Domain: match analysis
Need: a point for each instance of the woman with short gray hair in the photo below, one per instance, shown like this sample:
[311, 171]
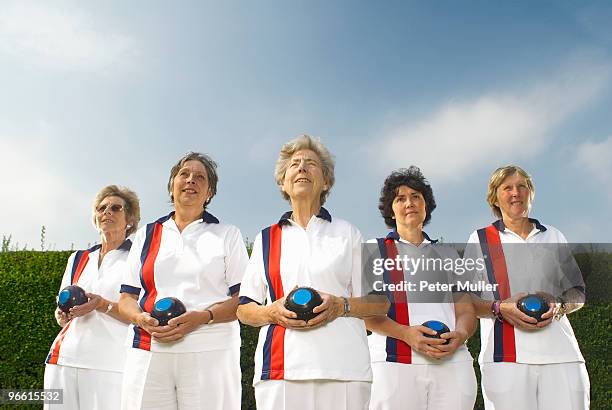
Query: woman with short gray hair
[319, 362]
[193, 361]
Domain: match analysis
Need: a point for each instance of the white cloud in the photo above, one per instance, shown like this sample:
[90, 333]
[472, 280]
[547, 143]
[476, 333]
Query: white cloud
[51, 38]
[34, 194]
[495, 128]
[596, 159]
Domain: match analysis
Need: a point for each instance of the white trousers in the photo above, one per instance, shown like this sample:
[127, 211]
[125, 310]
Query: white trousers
[312, 395]
[442, 386]
[201, 380]
[558, 386]
[85, 389]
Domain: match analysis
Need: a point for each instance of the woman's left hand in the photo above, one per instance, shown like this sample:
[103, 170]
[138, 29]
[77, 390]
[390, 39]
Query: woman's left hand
[94, 302]
[553, 308]
[456, 339]
[331, 309]
[180, 326]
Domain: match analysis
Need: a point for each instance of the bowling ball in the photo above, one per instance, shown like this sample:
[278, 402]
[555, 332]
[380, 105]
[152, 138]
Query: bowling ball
[166, 309]
[439, 327]
[71, 296]
[533, 305]
[302, 301]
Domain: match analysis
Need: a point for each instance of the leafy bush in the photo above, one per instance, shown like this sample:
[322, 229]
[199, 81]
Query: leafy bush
[29, 282]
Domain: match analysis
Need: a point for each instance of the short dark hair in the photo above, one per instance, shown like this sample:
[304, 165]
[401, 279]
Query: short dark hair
[209, 165]
[411, 177]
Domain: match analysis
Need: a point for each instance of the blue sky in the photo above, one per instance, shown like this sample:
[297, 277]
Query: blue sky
[94, 93]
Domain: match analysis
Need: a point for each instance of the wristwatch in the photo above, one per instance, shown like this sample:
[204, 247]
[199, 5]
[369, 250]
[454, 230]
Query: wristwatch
[212, 318]
[347, 307]
[562, 308]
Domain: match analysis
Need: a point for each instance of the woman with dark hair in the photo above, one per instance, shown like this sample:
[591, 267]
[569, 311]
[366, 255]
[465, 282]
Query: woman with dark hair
[412, 369]
[194, 360]
[527, 363]
[87, 357]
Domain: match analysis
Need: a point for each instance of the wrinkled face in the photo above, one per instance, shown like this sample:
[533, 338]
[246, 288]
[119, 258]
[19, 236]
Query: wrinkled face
[190, 186]
[409, 208]
[304, 176]
[513, 197]
[111, 215]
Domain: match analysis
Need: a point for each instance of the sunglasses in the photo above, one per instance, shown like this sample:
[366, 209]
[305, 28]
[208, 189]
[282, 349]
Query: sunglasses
[112, 207]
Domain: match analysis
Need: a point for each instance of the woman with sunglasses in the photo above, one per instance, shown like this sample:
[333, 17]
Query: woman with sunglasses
[87, 357]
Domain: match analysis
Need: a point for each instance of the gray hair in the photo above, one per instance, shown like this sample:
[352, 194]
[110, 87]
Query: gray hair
[209, 165]
[301, 143]
[132, 205]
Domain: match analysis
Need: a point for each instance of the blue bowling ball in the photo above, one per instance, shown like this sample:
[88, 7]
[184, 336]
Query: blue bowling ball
[439, 327]
[166, 309]
[302, 301]
[71, 296]
[533, 305]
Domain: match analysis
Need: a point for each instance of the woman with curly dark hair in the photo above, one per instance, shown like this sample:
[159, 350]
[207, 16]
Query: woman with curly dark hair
[412, 368]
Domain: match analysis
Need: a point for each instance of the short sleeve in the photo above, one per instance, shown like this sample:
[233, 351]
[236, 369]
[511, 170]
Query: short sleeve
[254, 287]
[236, 260]
[355, 289]
[131, 277]
[67, 272]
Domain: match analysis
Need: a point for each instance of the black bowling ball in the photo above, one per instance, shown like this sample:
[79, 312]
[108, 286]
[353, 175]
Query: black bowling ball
[166, 309]
[71, 296]
[302, 301]
[439, 327]
[533, 305]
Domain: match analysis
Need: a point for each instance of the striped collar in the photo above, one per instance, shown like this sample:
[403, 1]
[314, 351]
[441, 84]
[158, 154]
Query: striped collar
[206, 217]
[396, 237]
[323, 214]
[499, 224]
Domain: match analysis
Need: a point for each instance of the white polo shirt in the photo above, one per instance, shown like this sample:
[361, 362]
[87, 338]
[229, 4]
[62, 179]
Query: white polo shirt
[96, 340]
[556, 342]
[201, 266]
[327, 257]
[383, 348]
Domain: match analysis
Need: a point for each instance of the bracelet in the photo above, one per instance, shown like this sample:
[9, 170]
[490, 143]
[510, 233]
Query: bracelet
[496, 310]
[109, 307]
[212, 318]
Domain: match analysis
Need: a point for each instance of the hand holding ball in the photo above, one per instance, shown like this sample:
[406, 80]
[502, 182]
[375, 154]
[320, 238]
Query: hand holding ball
[70, 297]
[439, 327]
[302, 301]
[533, 305]
[166, 309]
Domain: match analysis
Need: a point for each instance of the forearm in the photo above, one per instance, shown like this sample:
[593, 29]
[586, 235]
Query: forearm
[481, 307]
[103, 307]
[368, 306]
[224, 311]
[385, 326]
[575, 300]
[465, 315]
[128, 308]
[253, 314]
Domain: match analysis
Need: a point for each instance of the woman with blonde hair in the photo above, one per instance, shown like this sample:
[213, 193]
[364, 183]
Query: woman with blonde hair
[87, 357]
[527, 363]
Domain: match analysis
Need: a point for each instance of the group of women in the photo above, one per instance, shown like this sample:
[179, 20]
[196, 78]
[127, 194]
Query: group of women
[110, 352]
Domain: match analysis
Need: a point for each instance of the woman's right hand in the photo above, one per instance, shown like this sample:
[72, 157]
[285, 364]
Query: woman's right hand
[144, 321]
[280, 315]
[415, 337]
[61, 317]
[511, 314]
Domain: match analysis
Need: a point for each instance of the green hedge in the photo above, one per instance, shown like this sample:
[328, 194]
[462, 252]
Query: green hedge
[29, 282]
